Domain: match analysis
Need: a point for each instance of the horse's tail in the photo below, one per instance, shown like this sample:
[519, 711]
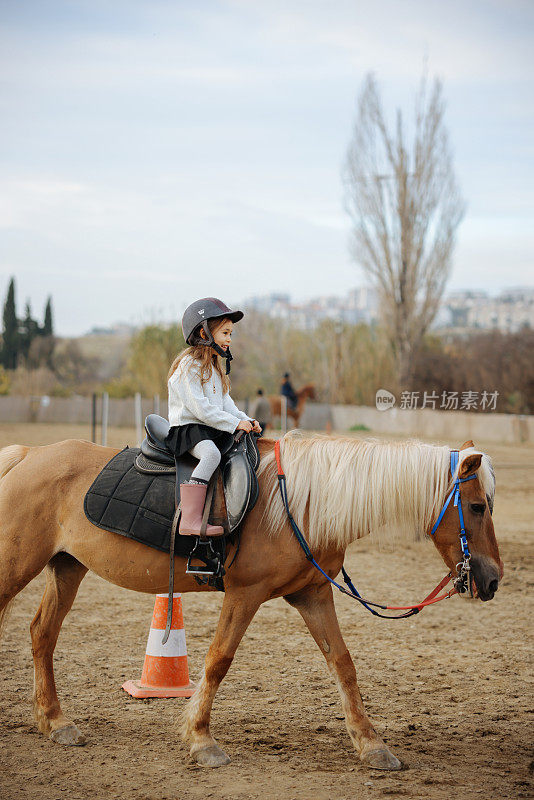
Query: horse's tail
[10, 457]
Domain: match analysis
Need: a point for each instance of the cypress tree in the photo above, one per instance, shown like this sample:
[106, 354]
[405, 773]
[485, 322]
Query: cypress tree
[11, 342]
[47, 327]
[29, 330]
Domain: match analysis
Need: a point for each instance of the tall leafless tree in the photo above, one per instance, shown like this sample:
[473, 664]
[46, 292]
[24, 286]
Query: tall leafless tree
[405, 207]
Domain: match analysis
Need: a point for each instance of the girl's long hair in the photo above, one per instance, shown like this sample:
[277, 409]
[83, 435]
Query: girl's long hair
[205, 357]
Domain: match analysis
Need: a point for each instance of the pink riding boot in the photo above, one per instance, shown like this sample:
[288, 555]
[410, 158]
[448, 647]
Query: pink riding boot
[192, 498]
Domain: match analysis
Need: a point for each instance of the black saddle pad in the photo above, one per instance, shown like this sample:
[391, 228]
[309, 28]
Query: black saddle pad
[136, 505]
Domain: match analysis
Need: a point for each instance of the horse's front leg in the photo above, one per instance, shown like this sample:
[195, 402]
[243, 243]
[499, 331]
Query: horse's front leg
[316, 605]
[238, 609]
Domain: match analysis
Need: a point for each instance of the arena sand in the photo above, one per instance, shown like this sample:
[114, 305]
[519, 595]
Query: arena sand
[450, 690]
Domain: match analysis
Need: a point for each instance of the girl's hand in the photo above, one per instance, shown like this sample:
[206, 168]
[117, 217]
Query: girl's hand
[256, 427]
[244, 425]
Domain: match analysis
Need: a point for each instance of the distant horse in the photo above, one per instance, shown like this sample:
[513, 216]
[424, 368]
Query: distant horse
[340, 489]
[306, 393]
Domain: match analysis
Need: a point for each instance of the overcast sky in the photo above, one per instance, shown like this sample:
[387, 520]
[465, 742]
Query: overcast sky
[157, 151]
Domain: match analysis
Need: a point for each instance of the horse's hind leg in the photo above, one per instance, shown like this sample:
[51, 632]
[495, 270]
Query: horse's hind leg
[22, 557]
[316, 606]
[63, 577]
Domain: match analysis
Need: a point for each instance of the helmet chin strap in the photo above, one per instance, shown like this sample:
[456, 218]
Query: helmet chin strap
[210, 342]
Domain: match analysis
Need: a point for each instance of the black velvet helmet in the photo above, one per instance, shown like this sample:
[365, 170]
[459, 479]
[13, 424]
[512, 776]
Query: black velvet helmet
[196, 317]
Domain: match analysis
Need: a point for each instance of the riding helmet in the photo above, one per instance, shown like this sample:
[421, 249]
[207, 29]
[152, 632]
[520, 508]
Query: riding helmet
[196, 316]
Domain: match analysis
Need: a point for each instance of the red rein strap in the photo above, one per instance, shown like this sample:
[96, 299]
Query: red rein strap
[277, 456]
[429, 599]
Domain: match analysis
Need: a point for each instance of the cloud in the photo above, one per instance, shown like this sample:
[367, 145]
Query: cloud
[242, 44]
[202, 142]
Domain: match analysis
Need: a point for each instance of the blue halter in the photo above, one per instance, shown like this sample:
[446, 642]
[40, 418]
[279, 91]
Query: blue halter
[463, 581]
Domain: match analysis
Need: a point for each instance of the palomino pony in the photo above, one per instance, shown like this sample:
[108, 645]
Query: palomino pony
[339, 489]
[306, 393]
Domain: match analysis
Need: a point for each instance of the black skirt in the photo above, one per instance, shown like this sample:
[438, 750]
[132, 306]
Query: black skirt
[182, 438]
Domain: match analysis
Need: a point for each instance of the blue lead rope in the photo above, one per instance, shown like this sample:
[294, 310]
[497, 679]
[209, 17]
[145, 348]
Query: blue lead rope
[352, 591]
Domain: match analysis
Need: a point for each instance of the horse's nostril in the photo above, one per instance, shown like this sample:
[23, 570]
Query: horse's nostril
[493, 586]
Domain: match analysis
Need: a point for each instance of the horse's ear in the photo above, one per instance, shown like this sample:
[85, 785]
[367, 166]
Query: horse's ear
[467, 444]
[469, 465]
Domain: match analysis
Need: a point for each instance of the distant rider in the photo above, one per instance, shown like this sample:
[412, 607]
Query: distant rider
[287, 390]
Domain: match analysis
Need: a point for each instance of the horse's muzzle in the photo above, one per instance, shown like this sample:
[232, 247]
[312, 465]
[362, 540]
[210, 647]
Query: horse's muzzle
[486, 576]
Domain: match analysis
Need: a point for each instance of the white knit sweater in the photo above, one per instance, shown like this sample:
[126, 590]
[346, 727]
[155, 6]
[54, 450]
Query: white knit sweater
[191, 401]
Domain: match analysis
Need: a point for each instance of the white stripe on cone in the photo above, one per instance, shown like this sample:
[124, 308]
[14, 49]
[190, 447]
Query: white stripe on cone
[174, 646]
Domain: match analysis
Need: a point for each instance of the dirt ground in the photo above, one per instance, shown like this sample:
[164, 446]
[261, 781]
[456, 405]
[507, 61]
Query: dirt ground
[450, 690]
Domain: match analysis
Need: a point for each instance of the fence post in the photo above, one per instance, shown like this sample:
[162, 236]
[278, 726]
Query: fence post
[93, 419]
[283, 416]
[138, 411]
[155, 404]
[105, 415]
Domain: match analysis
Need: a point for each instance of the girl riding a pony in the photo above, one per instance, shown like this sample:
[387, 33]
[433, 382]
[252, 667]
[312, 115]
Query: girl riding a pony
[202, 415]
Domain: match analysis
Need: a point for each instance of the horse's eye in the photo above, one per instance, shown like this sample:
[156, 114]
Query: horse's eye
[477, 508]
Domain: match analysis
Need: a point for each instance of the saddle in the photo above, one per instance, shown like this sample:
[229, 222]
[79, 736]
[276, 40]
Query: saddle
[240, 459]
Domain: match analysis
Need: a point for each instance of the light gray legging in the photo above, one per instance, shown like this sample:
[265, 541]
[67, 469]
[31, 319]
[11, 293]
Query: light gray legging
[209, 457]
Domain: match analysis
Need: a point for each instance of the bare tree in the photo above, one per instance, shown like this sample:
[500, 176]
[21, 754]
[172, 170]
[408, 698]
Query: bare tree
[405, 207]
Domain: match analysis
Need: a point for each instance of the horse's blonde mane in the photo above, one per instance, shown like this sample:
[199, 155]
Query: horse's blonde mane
[341, 489]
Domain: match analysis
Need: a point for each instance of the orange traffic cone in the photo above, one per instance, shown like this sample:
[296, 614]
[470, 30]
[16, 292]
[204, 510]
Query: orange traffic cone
[165, 671]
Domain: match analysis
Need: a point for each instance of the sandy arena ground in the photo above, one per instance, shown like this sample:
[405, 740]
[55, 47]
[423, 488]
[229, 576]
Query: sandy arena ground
[450, 690]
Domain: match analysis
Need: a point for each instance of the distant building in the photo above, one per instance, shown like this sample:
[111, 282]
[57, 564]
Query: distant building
[460, 312]
[118, 329]
[360, 305]
[508, 312]
[267, 303]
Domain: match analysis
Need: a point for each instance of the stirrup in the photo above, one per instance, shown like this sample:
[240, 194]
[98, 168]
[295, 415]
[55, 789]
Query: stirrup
[212, 566]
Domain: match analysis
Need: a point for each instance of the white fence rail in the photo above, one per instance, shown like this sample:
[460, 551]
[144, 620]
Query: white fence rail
[451, 426]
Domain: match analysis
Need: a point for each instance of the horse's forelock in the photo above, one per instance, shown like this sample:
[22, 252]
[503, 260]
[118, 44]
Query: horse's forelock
[486, 473]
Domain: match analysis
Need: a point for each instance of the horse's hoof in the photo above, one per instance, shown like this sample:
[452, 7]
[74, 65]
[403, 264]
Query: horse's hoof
[211, 756]
[381, 759]
[69, 734]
